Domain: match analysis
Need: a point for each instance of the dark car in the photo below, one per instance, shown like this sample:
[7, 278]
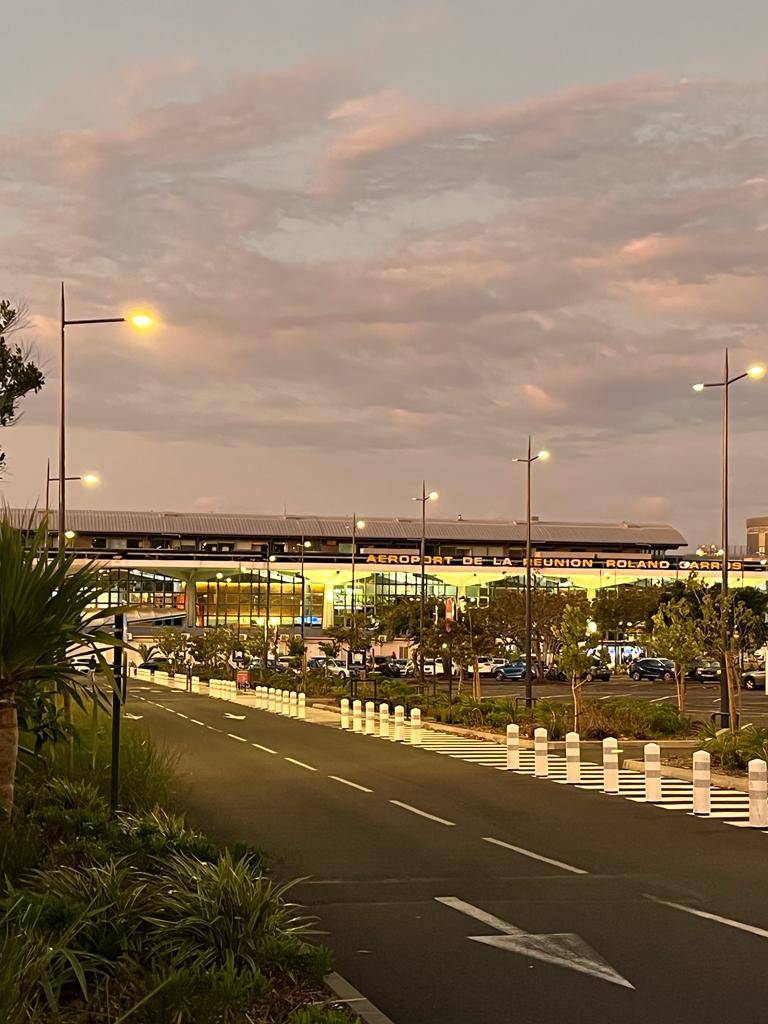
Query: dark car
[652, 668]
[514, 670]
[754, 679]
[386, 666]
[595, 671]
[703, 670]
[155, 665]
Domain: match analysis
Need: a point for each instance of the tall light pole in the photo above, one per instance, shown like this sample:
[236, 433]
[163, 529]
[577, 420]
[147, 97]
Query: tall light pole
[305, 545]
[424, 498]
[754, 372]
[87, 480]
[357, 524]
[529, 461]
[140, 320]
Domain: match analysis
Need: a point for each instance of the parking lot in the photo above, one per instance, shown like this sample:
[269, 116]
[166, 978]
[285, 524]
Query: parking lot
[702, 699]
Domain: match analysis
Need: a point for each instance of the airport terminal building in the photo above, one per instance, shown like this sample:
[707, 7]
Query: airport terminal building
[199, 570]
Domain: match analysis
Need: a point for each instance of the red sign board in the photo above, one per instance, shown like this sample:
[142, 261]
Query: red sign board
[242, 677]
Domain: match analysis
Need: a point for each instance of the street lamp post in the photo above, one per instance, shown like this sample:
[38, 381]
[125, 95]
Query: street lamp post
[424, 498]
[140, 320]
[357, 524]
[529, 459]
[755, 372]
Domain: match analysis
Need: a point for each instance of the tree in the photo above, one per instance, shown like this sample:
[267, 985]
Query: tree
[172, 643]
[45, 613]
[729, 627]
[677, 634]
[573, 634]
[507, 611]
[625, 609]
[213, 647]
[18, 373]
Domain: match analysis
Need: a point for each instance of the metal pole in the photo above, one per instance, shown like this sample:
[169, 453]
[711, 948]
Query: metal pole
[423, 580]
[266, 620]
[62, 439]
[528, 612]
[354, 545]
[118, 699]
[725, 711]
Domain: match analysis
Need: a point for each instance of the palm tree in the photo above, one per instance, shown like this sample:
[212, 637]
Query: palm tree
[44, 614]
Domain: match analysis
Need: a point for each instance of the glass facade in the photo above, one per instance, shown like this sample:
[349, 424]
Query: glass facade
[249, 599]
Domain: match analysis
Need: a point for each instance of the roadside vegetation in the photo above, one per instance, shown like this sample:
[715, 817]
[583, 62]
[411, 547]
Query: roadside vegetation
[138, 918]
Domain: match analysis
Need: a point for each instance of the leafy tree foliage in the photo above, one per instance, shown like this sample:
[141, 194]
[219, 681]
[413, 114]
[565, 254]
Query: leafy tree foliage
[573, 635]
[678, 634]
[18, 373]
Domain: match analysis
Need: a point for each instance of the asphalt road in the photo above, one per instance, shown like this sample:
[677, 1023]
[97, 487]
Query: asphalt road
[435, 923]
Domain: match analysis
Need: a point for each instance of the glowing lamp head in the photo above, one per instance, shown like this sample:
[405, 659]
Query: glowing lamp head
[70, 534]
[698, 387]
[433, 496]
[273, 558]
[141, 320]
[219, 575]
[307, 543]
[90, 480]
[543, 455]
[756, 372]
[592, 626]
[360, 524]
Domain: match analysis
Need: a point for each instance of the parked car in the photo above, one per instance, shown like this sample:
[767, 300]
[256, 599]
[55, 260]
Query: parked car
[703, 670]
[595, 671]
[488, 666]
[386, 666]
[432, 667]
[333, 666]
[155, 665]
[514, 670]
[754, 679]
[652, 668]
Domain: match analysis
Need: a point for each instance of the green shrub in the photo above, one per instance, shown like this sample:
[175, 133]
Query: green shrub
[732, 751]
[320, 1014]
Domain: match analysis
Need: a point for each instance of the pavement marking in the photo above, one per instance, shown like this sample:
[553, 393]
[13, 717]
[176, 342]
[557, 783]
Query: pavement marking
[751, 928]
[564, 949]
[424, 814]
[535, 856]
[182, 715]
[233, 737]
[196, 721]
[348, 994]
[267, 750]
[301, 764]
[213, 728]
[354, 785]
[658, 700]
[238, 718]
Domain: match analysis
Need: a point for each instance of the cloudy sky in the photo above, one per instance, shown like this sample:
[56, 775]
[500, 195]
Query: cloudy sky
[386, 241]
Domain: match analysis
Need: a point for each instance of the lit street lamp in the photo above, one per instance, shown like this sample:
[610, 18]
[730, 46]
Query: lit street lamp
[86, 479]
[529, 460]
[138, 320]
[357, 524]
[305, 546]
[755, 373]
[425, 497]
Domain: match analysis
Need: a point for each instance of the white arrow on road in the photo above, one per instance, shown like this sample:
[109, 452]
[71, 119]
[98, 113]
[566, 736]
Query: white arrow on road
[564, 949]
[238, 718]
[134, 717]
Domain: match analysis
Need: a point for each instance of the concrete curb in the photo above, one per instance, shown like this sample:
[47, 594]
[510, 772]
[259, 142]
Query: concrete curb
[686, 775]
[355, 1001]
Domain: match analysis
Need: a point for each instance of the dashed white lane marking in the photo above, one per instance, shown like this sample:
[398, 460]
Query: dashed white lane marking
[233, 737]
[182, 715]
[213, 728]
[423, 814]
[196, 722]
[301, 764]
[267, 750]
[536, 856]
[347, 782]
[751, 928]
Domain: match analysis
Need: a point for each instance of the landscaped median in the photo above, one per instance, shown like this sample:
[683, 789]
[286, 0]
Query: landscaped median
[136, 918]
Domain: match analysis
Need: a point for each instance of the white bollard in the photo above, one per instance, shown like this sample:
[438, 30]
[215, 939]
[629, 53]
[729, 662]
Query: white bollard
[302, 706]
[286, 703]
[652, 756]
[293, 706]
[344, 713]
[370, 716]
[383, 719]
[415, 726]
[540, 754]
[259, 697]
[271, 698]
[702, 783]
[572, 758]
[610, 765]
[758, 793]
[357, 716]
[399, 735]
[513, 748]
